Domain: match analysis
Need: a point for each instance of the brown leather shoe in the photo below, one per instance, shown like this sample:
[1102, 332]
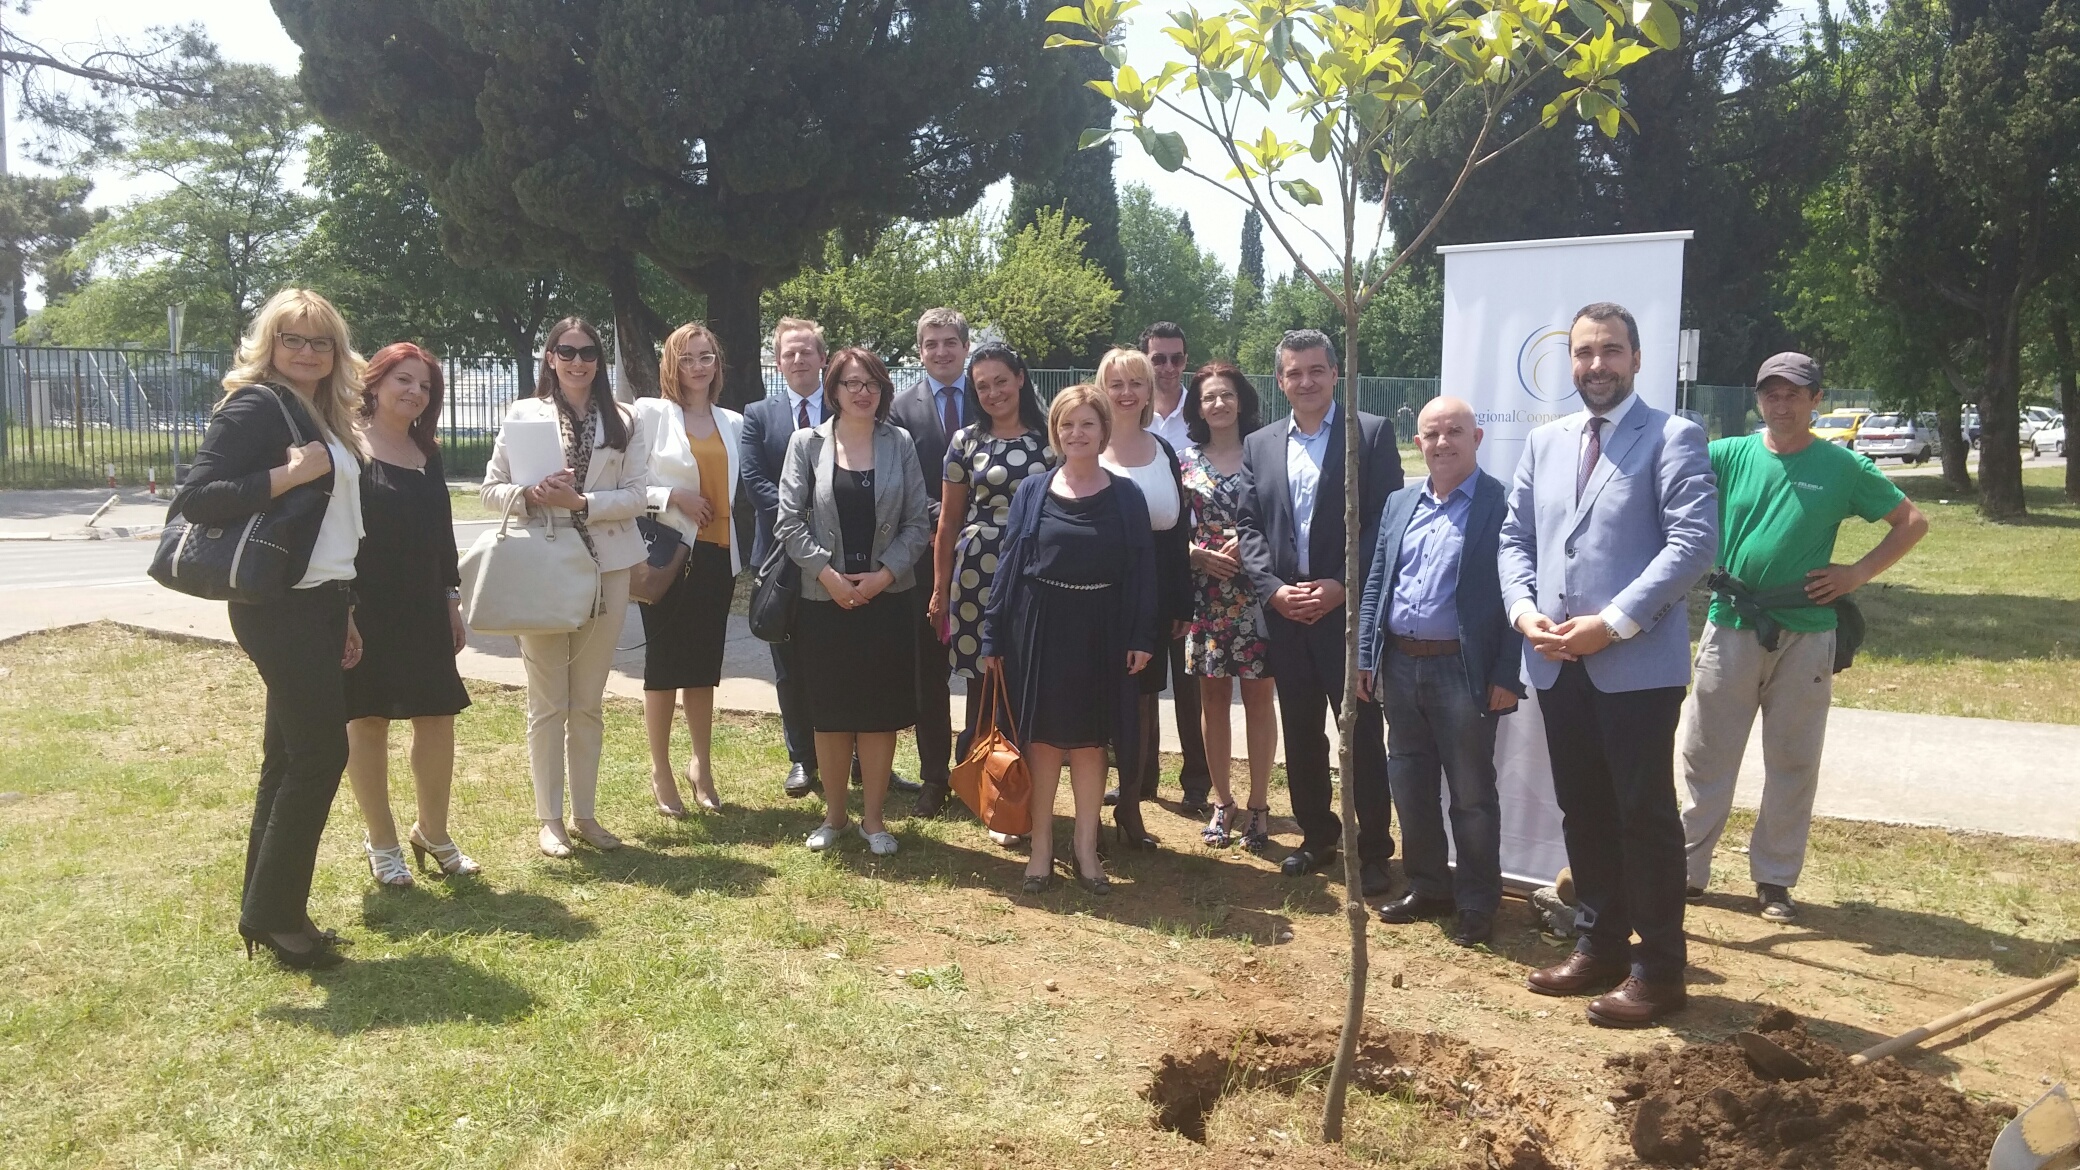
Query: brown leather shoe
[1637, 1003]
[1578, 974]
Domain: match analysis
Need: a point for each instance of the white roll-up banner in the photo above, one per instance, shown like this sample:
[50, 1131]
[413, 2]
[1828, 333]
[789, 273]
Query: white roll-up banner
[1507, 308]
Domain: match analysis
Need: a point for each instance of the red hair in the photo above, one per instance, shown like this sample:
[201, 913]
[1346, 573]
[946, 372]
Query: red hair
[425, 430]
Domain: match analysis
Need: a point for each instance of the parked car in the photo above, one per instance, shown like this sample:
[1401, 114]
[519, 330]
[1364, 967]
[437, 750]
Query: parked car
[2050, 438]
[1840, 426]
[1908, 437]
[2034, 419]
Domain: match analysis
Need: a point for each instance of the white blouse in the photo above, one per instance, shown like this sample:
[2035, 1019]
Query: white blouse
[1157, 486]
[339, 534]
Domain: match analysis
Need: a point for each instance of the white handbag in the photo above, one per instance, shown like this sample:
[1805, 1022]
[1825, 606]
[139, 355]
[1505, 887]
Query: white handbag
[519, 579]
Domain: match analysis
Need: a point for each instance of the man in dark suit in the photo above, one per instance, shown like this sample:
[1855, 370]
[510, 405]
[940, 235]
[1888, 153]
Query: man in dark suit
[1292, 535]
[933, 409]
[1436, 650]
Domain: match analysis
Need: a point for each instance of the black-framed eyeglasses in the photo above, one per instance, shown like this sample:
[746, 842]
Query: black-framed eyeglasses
[297, 341]
[858, 385]
[576, 353]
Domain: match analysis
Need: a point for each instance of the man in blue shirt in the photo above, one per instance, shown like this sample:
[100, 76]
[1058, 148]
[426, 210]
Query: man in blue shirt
[1436, 649]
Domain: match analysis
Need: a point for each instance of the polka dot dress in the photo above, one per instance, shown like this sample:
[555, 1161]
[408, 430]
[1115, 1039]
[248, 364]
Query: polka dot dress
[991, 469]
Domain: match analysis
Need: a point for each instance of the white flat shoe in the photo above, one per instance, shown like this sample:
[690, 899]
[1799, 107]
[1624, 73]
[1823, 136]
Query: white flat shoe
[882, 844]
[823, 838]
[553, 842]
[1005, 840]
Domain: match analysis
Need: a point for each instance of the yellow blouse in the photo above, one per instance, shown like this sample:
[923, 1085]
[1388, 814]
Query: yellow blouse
[713, 458]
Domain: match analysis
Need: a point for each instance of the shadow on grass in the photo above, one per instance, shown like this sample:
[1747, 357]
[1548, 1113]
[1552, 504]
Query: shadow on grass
[1886, 931]
[707, 870]
[469, 907]
[2046, 502]
[1913, 624]
[407, 991]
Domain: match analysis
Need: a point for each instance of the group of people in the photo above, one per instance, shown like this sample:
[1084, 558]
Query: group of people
[1140, 532]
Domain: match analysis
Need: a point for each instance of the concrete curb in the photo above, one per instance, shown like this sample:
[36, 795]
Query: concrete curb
[118, 532]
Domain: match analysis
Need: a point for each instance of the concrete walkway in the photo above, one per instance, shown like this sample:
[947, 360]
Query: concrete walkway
[1976, 774]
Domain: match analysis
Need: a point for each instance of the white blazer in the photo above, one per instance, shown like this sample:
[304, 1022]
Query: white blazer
[615, 485]
[672, 464]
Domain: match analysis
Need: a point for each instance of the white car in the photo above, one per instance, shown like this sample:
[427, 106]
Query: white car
[2050, 439]
[1908, 437]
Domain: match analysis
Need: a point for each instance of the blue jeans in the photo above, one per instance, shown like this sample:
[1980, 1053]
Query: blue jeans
[1435, 727]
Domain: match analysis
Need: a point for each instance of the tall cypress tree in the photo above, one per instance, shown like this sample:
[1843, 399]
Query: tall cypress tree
[1251, 267]
[720, 142]
[1083, 186]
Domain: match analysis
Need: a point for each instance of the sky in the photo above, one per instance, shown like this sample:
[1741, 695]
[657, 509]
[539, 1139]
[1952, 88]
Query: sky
[246, 30]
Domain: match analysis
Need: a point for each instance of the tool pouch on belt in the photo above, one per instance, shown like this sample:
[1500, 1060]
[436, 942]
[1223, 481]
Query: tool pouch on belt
[1754, 607]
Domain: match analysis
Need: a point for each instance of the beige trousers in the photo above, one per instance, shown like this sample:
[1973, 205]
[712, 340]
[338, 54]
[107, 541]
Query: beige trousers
[1792, 687]
[566, 681]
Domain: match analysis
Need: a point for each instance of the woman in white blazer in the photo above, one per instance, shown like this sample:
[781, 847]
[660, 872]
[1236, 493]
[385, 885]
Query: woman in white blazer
[693, 486]
[606, 452]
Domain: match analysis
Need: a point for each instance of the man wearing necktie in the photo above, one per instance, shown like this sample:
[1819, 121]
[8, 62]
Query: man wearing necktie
[934, 409]
[1613, 516]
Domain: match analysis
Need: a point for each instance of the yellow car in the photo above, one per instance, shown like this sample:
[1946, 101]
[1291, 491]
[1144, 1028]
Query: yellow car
[1840, 427]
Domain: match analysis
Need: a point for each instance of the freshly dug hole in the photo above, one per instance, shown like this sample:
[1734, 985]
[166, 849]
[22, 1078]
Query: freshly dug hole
[1470, 1091]
[1704, 1106]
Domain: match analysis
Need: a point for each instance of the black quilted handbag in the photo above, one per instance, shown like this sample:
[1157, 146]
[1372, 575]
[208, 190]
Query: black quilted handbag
[253, 560]
[774, 592]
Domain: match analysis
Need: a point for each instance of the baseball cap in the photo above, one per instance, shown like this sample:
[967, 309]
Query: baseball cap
[1795, 368]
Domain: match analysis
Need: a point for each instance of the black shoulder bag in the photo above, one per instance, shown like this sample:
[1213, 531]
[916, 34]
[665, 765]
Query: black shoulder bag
[1754, 608]
[254, 560]
[776, 588]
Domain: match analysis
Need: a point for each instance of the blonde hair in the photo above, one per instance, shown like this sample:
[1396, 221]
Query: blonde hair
[1135, 363]
[1081, 394]
[675, 347]
[789, 325]
[338, 399]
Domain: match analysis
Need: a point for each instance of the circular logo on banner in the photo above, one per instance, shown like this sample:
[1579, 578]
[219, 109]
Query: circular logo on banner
[1545, 369]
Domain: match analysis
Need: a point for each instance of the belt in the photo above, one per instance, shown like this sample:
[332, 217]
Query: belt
[1080, 588]
[1418, 648]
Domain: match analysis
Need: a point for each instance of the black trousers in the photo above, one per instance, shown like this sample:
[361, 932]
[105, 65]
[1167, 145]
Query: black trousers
[1614, 774]
[1194, 775]
[1307, 664]
[794, 707]
[296, 644]
[934, 721]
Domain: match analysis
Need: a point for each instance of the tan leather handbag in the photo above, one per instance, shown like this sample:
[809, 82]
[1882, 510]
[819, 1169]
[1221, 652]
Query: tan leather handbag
[993, 780]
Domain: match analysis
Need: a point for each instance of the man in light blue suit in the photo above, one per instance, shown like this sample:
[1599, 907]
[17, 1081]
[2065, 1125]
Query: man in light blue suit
[1613, 516]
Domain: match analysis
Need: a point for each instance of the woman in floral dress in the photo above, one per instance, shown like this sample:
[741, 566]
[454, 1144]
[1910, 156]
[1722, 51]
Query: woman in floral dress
[1226, 639]
[985, 463]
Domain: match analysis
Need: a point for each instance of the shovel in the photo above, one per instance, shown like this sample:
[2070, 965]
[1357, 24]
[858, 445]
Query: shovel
[1773, 1060]
[2045, 1136]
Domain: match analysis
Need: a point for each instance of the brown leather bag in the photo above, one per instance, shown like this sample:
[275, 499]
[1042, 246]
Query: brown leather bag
[665, 553]
[993, 780]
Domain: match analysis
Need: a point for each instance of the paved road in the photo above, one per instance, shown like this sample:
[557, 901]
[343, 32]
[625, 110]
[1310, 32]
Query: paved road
[91, 564]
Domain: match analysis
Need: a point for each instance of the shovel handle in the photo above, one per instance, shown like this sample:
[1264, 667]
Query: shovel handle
[1906, 1040]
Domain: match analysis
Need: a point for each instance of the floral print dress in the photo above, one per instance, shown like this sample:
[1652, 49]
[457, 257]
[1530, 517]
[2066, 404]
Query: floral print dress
[1226, 639]
[991, 469]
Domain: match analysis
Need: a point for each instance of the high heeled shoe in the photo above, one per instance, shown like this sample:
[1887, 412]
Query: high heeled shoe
[1128, 827]
[387, 865]
[447, 855]
[320, 957]
[1215, 834]
[1256, 836]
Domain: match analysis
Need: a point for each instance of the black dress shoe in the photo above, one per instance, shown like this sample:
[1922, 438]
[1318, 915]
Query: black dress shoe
[931, 801]
[1374, 879]
[1197, 803]
[1111, 797]
[1414, 907]
[897, 782]
[800, 782]
[1473, 929]
[1306, 861]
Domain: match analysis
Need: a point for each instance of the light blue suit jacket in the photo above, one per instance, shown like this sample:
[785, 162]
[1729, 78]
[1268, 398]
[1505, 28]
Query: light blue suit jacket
[1645, 531]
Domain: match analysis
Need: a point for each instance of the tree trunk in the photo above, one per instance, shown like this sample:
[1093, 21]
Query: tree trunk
[733, 314]
[1346, 729]
[637, 329]
[2000, 424]
[520, 344]
[1950, 400]
[2068, 393]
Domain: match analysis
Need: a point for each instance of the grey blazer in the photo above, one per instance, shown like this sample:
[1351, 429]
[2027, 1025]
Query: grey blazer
[808, 518]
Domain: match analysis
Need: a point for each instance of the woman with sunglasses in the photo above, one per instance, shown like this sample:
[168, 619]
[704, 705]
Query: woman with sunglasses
[853, 517]
[599, 492]
[693, 480]
[295, 361]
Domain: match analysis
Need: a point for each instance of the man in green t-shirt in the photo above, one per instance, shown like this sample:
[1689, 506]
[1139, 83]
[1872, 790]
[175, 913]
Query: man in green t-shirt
[1783, 496]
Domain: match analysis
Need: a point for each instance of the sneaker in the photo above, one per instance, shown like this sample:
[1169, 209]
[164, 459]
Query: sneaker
[882, 844]
[1005, 840]
[1777, 905]
[823, 838]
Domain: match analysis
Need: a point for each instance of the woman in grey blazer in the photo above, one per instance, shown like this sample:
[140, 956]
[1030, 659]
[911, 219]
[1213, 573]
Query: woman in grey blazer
[853, 516]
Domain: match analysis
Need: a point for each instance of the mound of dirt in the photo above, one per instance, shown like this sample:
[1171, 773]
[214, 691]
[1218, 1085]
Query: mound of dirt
[1704, 1106]
[1462, 1085]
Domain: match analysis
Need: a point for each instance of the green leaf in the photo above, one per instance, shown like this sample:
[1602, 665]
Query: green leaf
[1058, 41]
[1068, 14]
[1168, 150]
[1301, 191]
[1607, 122]
[1115, 55]
[1658, 20]
[1591, 16]
[1095, 136]
[1221, 83]
[1318, 147]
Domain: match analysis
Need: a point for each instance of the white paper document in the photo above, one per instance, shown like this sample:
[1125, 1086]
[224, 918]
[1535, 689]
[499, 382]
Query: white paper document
[534, 449]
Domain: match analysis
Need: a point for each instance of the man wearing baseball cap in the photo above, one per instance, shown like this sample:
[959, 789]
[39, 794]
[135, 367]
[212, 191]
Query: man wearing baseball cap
[1769, 641]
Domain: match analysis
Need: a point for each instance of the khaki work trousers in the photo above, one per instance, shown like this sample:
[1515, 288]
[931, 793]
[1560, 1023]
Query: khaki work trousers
[566, 683]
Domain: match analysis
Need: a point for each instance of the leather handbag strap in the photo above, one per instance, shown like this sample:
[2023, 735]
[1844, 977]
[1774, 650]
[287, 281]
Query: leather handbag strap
[295, 432]
[994, 692]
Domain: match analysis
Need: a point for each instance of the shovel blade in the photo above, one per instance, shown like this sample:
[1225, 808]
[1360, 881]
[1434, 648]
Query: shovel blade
[2045, 1136]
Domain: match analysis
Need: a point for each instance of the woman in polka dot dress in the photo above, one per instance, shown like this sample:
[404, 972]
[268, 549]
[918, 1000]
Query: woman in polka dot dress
[985, 463]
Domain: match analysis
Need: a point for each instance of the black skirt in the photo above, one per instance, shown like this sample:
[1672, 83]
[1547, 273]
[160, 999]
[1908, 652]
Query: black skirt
[402, 574]
[684, 632]
[858, 666]
[1070, 676]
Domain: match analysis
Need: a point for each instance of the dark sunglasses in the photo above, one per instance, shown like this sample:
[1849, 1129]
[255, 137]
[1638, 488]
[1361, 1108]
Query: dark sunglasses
[1166, 359]
[576, 353]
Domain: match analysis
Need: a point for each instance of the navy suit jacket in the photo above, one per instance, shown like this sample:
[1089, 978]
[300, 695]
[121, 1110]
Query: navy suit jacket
[1270, 550]
[916, 410]
[763, 452]
[1489, 647]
